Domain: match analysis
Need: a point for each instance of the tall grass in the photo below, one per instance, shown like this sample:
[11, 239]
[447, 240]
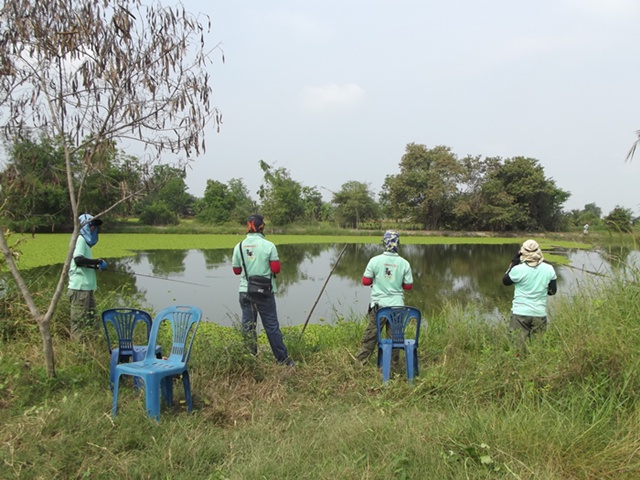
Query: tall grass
[569, 409]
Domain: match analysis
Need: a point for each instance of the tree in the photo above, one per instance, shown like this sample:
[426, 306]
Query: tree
[281, 196]
[167, 198]
[33, 186]
[572, 217]
[126, 175]
[355, 204]
[34, 191]
[425, 187]
[216, 204]
[157, 213]
[520, 197]
[223, 203]
[89, 73]
[313, 204]
[243, 204]
[591, 214]
[619, 220]
[471, 204]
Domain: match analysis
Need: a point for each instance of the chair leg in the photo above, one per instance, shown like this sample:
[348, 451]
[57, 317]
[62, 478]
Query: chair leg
[116, 384]
[415, 362]
[187, 390]
[386, 362]
[115, 354]
[409, 355]
[152, 397]
[166, 386]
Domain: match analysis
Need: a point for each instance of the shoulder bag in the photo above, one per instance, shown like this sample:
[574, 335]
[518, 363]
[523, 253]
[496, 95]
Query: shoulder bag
[257, 285]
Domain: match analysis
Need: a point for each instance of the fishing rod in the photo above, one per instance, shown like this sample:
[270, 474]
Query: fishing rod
[157, 277]
[322, 290]
[578, 269]
[586, 271]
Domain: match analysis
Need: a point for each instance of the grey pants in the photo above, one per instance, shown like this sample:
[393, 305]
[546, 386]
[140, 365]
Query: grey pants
[524, 327]
[83, 312]
[370, 338]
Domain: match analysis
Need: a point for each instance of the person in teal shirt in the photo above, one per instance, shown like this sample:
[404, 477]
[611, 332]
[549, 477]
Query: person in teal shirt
[82, 278]
[389, 276]
[257, 256]
[534, 281]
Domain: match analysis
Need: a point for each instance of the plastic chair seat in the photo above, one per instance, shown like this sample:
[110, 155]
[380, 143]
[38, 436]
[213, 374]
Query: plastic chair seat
[138, 354]
[124, 321]
[158, 373]
[398, 318]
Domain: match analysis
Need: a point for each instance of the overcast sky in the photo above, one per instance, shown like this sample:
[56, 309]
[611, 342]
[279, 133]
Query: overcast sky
[333, 91]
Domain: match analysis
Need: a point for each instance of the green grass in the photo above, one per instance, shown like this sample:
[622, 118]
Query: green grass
[568, 410]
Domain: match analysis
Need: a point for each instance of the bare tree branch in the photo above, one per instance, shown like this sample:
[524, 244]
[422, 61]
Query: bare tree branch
[91, 73]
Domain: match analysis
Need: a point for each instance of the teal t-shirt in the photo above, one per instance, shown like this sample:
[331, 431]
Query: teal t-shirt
[388, 271]
[81, 278]
[258, 253]
[530, 296]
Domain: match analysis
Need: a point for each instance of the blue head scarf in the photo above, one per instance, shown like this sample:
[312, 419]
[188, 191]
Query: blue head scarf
[91, 237]
[391, 240]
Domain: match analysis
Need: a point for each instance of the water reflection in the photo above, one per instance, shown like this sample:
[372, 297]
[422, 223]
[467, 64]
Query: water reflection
[457, 274]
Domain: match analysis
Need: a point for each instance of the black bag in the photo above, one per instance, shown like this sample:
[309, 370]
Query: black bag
[259, 285]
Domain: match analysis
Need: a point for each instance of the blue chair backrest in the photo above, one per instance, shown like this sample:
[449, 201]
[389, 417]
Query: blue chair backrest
[124, 322]
[399, 318]
[182, 319]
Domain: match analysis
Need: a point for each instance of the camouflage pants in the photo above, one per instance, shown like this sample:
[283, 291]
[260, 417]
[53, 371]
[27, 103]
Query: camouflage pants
[370, 337]
[83, 313]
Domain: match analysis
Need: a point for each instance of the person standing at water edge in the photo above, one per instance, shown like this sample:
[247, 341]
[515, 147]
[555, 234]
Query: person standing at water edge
[534, 280]
[389, 275]
[585, 229]
[82, 278]
[257, 256]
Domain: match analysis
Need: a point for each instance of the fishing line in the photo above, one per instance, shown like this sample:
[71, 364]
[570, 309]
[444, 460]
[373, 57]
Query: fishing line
[157, 277]
[322, 289]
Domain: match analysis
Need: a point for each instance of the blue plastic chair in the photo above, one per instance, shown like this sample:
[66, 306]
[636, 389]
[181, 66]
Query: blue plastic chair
[398, 318]
[124, 321]
[158, 373]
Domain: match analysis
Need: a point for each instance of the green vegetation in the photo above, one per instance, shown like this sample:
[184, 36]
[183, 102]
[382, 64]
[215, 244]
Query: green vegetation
[619, 220]
[50, 249]
[435, 190]
[133, 73]
[569, 409]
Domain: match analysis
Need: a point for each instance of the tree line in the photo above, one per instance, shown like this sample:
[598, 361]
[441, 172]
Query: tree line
[434, 190]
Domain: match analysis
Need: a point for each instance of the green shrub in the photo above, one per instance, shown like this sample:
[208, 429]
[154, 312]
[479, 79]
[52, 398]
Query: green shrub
[158, 213]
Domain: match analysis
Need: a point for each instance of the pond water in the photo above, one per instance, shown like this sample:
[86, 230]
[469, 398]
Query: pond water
[459, 274]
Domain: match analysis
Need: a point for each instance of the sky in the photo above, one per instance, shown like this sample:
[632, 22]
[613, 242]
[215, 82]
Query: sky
[333, 91]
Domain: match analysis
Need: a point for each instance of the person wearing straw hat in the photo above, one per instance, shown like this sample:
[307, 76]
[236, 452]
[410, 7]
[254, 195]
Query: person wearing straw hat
[534, 281]
[82, 278]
